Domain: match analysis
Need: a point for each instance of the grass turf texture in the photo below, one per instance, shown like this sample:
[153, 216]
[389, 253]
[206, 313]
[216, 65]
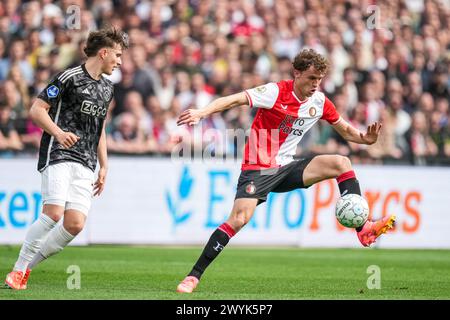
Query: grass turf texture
[122, 272]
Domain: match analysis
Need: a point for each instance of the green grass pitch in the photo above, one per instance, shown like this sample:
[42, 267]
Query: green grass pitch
[127, 272]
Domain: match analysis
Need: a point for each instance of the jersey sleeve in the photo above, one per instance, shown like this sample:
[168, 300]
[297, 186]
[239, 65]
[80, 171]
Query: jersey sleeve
[112, 95]
[263, 96]
[53, 91]
[330, 113]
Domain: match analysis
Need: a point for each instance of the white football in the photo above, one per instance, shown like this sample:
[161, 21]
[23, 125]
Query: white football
[352, 210]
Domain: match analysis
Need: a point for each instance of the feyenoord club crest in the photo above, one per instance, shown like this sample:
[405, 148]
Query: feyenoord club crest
[312, 111]
[250, 188]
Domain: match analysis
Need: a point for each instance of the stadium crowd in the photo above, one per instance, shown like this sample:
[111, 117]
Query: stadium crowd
[390, 62]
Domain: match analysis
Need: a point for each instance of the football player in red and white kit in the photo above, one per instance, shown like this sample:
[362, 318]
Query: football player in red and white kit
[286, 111]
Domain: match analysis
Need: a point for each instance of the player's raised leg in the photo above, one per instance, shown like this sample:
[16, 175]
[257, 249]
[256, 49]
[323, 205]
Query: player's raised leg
[34, 239]
[335, 166]
[241, 214]
[332, 166]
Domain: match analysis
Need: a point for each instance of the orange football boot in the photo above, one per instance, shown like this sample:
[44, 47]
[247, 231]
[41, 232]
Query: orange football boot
[373, 229]
[14, 280]
[187, 285]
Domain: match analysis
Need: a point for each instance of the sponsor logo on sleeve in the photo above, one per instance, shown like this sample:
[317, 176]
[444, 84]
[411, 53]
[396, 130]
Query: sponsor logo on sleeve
[261, 89]
[52, 91]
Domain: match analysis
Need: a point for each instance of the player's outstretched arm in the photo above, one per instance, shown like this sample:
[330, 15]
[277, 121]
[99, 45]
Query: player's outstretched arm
[350, 133]
[193, 116]
[39, 115]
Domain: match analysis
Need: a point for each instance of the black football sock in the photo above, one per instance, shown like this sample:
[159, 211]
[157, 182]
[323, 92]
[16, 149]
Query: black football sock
[348, 183]
[218, 240]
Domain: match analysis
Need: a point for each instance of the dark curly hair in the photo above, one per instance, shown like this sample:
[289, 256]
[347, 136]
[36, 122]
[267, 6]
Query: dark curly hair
[309, 57]
[105, 38]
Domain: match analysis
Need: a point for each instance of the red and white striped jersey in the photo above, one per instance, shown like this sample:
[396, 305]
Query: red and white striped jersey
[281, 122]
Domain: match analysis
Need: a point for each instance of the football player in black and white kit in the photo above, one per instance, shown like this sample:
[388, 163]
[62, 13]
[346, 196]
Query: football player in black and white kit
[72, 111]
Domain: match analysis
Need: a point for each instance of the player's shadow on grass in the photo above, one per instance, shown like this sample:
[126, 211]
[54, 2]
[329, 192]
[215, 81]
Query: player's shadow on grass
[4, 286]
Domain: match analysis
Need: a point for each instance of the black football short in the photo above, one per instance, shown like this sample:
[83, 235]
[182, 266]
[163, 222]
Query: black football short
[257, 184]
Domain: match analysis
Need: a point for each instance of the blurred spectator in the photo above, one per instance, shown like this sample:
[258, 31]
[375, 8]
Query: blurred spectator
[438, 132]
[144, 76]
[15, 75]
[426, 104]
[16, 56]
[184, 94]
[386, 148]
[413, 91]
[42, 77]
[12, 98]
[163, 129]
[64, 49]
[134, 104]
[203, 94]
[399, 120]
[440, 83]
[29, 133]
[166, 91]
[9, 138]
[339, 58]
[420, 143]
[371, 102]
[126, 138]
[125, 85]
[350, 88]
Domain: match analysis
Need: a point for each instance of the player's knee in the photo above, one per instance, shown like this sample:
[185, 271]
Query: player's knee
[74, 227]
[53, 212]
[341, 164]
[54, 216]
[239, 219]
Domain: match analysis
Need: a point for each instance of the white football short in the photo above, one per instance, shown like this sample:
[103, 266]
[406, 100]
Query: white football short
[68, 184]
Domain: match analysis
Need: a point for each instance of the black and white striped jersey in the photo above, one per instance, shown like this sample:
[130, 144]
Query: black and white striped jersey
[78, 104]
